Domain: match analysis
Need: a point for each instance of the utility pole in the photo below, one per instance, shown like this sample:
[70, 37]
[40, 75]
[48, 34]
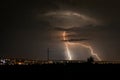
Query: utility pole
[48, 54]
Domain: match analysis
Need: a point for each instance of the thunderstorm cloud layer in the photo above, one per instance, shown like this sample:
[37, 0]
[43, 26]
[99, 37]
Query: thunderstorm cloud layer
[29, 28]
[70, 19]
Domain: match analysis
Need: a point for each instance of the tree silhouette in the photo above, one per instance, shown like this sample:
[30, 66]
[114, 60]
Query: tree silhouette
[90, 59]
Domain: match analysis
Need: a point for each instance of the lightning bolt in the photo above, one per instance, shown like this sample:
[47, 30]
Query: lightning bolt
[67, 43]
[66, 46]
[91, 51]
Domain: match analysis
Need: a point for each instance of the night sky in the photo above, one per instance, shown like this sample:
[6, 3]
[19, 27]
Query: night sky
[29, 27]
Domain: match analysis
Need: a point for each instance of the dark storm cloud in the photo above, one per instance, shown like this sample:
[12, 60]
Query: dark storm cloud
[26, 33]
[75, 40]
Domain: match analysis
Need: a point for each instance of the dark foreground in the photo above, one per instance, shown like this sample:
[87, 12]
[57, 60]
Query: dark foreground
[61, 68]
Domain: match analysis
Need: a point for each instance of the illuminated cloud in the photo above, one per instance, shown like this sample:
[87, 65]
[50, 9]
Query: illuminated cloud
[68, 19]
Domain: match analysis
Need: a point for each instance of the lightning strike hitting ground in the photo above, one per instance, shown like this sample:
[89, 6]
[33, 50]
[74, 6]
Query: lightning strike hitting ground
[86, 46]
[66, 46]
[89, 47]
[91, 51]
